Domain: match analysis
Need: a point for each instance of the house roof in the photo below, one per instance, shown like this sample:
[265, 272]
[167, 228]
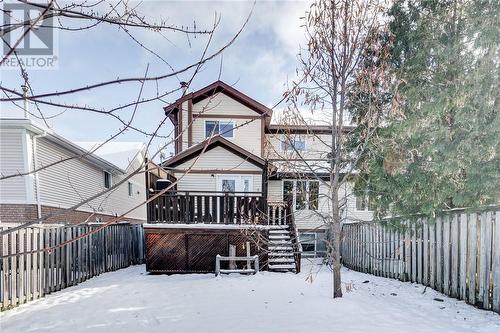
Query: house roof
[120, 154]
[211, 143]
[304, 129]
[217, 87]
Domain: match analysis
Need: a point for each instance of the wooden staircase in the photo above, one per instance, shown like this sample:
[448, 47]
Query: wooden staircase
[281, 250]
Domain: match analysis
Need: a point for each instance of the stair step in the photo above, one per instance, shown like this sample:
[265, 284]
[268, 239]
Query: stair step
[273, 242]
[280, 248]
[278, 229]
[273, 237]
[282, 260]
[241, 271]
[284, 266]
[280, 254]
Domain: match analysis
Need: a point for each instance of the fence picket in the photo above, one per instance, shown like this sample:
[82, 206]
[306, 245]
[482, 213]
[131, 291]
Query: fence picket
[29, 272]
[458, 254]
[463, 256]
[446, 254]
[425, 244]
[496, 263]
[454, 249]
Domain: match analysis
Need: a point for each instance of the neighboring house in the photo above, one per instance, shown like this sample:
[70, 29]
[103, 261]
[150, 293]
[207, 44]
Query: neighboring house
[226, 142]
[26, 146]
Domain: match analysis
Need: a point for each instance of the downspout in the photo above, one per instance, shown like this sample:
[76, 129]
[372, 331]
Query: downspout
[37, 179]
[35, 152]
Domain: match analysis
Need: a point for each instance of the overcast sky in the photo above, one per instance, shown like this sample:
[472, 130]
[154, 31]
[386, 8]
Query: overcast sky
[259, 63]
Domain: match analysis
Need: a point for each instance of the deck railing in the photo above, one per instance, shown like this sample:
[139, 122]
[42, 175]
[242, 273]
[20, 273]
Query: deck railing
[189, 207]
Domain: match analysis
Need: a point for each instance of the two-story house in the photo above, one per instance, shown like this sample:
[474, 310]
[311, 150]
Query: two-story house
[227, 145]
[44, 175]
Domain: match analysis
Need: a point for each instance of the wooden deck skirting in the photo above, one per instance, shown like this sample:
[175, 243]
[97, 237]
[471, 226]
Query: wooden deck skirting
[193, 250]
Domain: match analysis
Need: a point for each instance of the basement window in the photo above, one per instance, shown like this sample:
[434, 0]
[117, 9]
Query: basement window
[308, 242]
[107, 179]
[223, 128]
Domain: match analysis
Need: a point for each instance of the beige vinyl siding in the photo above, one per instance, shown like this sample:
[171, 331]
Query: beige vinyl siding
[12, 161]
[185, 126]
[247, 136]
[207, 182]
[68, 183]
[308, 220]
[219, 104]
[275, 190]
[317, 146]
[351, 213]
[219, 158]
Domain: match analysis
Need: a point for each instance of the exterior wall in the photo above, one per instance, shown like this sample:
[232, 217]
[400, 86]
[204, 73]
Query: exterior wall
[207, 182]
[220, 159]
[215, 162]
[220, 103]
[248, 135]
[317, 146]
[17, 213]
[308, 219]
[351, 213]
[13, 160]
[68, 183]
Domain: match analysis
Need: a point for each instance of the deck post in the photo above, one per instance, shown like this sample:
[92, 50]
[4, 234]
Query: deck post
[186, 208]
[217, 265]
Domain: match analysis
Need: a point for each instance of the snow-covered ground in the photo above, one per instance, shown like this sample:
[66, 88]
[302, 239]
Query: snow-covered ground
[130, 300]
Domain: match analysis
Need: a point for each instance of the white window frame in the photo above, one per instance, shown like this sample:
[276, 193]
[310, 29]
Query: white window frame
[284, 139]
[130, 188]
[218, 124]
[239, 182]
[367, 203]
[110, 179]
[294, 187]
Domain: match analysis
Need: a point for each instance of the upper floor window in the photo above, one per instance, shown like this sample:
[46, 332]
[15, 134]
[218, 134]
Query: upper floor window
[130, 189]
[293, 144]
[107, 179]
[224, 128]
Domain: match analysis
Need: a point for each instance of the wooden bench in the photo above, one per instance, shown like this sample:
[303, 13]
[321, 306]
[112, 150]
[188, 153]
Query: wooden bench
[248, 270]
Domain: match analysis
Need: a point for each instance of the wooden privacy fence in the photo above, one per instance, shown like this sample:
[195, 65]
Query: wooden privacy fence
[457, 253]
[27, 274]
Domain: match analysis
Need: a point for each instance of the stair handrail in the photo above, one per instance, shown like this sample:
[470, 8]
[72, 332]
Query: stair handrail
[296, 245]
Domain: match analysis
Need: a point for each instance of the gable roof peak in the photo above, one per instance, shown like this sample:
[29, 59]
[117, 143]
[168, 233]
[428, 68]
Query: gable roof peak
[215, 88]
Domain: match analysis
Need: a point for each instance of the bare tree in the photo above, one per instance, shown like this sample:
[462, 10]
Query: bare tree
[338, 35]
[85, 16]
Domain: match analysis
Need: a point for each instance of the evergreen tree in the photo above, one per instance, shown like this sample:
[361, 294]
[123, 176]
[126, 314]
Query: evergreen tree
[438, 147]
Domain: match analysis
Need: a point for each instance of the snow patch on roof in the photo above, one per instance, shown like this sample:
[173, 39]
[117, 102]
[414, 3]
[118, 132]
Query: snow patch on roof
[305, 116]
[120, 154]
